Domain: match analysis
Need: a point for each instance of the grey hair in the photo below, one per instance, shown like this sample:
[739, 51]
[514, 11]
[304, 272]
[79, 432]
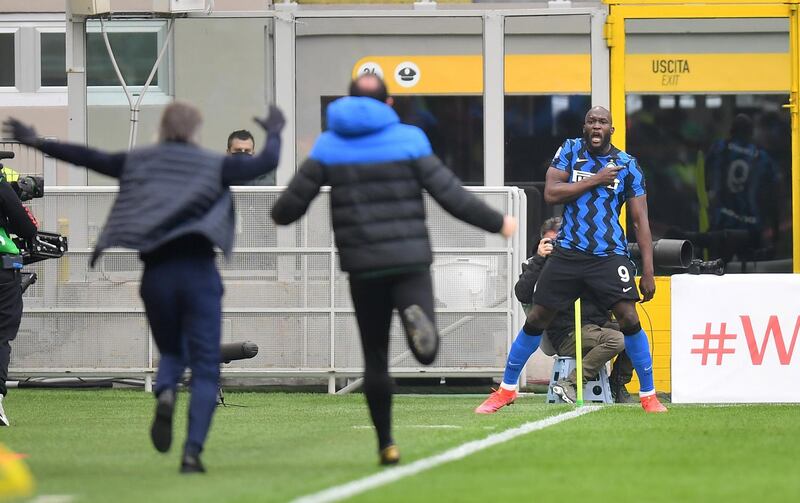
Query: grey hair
[180, 122]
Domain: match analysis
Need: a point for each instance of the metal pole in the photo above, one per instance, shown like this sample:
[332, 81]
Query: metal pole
[76, 88]
[493, 100]
[285, 93]
[794, 109]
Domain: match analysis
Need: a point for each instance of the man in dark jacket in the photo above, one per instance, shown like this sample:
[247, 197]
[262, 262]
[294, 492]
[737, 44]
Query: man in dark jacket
[377, 169]
[174, 206]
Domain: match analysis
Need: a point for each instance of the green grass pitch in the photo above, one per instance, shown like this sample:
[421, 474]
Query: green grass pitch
[94, 446]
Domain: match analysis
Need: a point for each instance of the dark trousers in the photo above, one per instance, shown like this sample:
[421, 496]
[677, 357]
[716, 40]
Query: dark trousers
[622, 371]
[374, 300]
[183, 300]
[10, 316]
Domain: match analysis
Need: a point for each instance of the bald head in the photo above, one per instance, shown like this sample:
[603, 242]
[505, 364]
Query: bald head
[370, 85]
[599, 112]
[597, 130]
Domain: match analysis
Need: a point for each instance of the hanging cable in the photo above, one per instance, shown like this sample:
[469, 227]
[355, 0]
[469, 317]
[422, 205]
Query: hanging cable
[135, 106]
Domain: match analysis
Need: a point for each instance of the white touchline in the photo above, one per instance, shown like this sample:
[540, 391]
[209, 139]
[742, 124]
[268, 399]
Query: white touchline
[54, 498]
[431, 426]
[390, 475]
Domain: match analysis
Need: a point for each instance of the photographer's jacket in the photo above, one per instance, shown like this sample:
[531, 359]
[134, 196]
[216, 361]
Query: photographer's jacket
[14, 218]
[169, 191]
[377, 168]
[564, 322]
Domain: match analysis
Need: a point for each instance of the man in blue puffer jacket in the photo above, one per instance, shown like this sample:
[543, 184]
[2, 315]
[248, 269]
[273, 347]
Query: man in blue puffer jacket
[377, 169]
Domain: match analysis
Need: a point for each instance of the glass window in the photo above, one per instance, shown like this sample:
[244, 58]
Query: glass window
[535, 127]
[718, 171]
[135, 54]
[7, 60]
[454, 126]
[461, 147]
[53, 58]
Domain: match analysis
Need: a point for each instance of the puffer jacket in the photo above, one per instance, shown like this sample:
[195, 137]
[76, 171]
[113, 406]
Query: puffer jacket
[377, 169]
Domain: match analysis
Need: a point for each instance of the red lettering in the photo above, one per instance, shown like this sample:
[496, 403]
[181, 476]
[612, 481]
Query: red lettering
[773, 327]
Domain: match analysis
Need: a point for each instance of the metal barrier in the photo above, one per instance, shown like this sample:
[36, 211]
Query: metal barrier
[283, 290]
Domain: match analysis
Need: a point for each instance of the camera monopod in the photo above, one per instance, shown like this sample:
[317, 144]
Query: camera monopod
[234, 351]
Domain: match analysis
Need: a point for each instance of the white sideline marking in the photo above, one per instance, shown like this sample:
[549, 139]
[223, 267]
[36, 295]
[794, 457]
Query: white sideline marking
[54, 498]
[387, 476]
[423, 426]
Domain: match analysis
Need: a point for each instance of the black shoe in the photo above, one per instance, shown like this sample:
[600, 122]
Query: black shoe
[619, 392]
[423, 339]
[161, 430]
[191, 464]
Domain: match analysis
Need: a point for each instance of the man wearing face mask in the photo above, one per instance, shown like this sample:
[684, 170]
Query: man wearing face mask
[241, 142]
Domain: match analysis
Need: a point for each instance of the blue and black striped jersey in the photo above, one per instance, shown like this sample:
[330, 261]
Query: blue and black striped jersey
[591, 222]
[738, 173]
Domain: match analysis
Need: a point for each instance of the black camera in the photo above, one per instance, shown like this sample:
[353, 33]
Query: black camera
[698, 266]
[44, 245]
[668, 253]
[27, 187]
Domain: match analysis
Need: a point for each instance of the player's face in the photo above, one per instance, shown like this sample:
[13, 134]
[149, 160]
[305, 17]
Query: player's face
[597, 130]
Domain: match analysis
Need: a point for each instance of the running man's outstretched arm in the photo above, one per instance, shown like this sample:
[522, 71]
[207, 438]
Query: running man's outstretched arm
[303, 188]
[102, 162]
[447, 190]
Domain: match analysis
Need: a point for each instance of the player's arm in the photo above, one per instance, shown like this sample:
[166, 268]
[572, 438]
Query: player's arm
[559, 190]
[641, 224]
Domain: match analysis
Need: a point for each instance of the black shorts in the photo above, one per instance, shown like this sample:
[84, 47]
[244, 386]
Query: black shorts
[569, 274]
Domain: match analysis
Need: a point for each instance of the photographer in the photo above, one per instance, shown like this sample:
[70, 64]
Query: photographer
[14, 219]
